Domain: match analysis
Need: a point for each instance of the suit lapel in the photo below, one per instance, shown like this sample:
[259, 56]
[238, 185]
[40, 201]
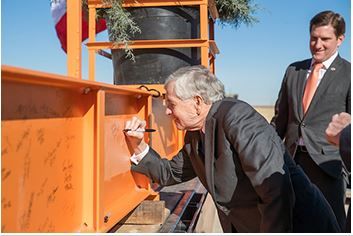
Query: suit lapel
[301, 86]
[325, 82]
[200, 167]
[209, 153]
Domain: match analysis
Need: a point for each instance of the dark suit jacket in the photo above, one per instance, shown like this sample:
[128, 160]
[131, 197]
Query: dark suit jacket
[345, 146]
[243, 169]
[345, 152]
[332, 96]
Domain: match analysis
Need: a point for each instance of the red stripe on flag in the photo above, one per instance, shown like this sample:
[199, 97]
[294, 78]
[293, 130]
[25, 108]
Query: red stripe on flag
[60, 28]
[62, 25]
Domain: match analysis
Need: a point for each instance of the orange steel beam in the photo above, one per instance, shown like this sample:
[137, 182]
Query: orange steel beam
[203, 22]
[167, 141]
[91, 38]
[74, 38]
[36, 77]
[204, 34]
[89, 153]
[133, 3]
[141, 44]
[63, 144]
[150, 3]
[99, 160]
[204, 43]
[117, 109]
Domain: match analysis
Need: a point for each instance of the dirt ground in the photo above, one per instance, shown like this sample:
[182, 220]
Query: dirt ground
[265, 111]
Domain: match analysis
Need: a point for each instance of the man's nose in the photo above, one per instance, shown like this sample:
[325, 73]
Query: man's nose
[168, 111]
[318, 43]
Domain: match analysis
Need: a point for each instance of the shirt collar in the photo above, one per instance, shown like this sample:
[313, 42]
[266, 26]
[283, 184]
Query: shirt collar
[328, 62]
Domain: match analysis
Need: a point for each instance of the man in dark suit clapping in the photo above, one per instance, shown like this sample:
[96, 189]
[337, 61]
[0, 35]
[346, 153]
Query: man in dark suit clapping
[338, 133]
[313, 91]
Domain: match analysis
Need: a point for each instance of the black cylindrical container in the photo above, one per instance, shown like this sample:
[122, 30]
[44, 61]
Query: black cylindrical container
[153, 66]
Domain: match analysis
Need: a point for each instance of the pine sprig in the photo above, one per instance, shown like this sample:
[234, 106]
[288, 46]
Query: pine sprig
[121, 25]
[236, 12]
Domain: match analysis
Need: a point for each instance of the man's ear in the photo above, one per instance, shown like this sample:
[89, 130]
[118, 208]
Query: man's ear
[340, 40]
[198, 99]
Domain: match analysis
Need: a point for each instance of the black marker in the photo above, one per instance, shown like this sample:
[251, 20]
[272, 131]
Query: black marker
[145, 130]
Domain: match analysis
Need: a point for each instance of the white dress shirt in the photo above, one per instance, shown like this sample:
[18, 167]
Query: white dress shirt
[137, 158]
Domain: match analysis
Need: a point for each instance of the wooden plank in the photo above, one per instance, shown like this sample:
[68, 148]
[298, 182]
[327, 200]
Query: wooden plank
[147, 213]
[130, 228]
[170, 201]
[138, 229]
[173, 199]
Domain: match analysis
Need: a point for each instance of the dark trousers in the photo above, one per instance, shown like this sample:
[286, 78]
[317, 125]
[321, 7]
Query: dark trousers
[332, 188]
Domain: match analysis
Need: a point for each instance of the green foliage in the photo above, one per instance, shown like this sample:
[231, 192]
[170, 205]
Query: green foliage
[235, 12]
[119, 23]
[121, 26]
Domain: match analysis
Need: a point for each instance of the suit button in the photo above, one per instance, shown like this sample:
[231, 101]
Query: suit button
[302, 124]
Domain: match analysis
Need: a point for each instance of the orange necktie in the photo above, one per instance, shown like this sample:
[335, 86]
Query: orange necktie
[311, 85]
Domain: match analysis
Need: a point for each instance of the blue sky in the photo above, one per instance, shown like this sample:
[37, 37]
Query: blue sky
[252, 59]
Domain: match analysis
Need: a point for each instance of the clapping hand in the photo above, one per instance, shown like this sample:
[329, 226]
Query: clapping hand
[337, 124]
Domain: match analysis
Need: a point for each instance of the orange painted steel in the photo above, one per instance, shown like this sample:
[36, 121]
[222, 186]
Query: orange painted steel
[168, 140]
[91, 38]
[74, 37]
[150, 3]
[65, 162]
[140, 44]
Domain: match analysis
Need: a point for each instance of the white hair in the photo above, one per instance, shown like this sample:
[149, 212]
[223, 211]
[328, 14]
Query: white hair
[191, 81]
